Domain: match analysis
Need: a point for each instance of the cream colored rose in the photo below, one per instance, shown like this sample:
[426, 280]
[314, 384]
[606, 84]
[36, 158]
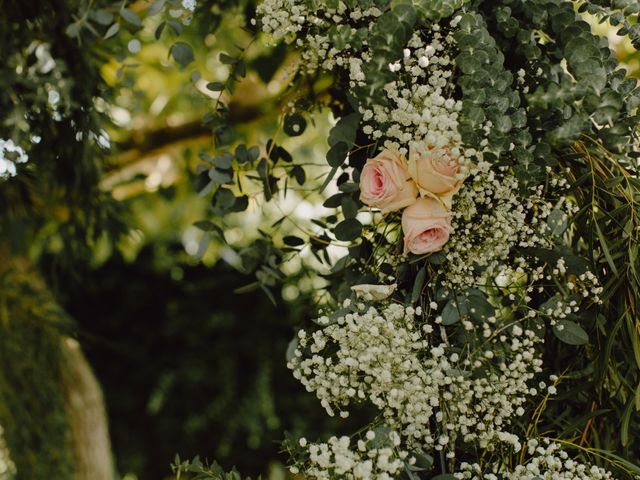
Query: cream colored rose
[426, 225]
[435, 171]
[385, 182]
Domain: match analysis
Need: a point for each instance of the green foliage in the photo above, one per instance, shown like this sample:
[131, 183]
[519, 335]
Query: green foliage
[487, 92]
[48, 85]
[196, 470]
[182, 53]
[547, 85]
[431, 11]
[580, 114]
[570, 332]
[621, 13]
[33, 413]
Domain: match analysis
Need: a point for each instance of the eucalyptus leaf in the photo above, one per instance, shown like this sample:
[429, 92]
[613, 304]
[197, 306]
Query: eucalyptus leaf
[450, 314]
[345, 130]
[294, 125]
[348, 230]
[570, 332]
[112, 31]
[182, 53]
[131, 17]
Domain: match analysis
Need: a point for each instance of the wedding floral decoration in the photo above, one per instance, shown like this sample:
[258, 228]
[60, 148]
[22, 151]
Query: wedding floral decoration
[472, 150]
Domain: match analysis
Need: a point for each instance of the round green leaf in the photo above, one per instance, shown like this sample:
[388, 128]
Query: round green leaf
[182, 53]
[348, 230]
[294, 125]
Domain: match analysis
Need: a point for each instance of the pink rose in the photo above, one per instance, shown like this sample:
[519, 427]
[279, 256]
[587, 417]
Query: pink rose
[385, 182]
[435, 171]
[426, 225]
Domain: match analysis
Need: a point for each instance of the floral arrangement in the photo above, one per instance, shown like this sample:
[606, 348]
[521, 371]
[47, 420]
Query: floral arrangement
[485, 159]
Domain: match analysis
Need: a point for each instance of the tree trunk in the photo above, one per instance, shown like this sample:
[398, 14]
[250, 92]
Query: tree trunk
[52, 415]
[87, 416]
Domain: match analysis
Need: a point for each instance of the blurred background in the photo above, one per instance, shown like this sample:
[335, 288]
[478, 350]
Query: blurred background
[127, 335]
[114, 312]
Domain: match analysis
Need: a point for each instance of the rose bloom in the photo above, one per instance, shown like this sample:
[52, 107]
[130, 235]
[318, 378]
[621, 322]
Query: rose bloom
[385, 182]
[434, 171]
[426, 225]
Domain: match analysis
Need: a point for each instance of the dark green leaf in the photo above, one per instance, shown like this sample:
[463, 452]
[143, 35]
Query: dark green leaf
[418, 284]
[345, 130]
[294, 124]
[299, 174]
[215, 86]
[626, 419]
[334, 201]
[450, 313]
[159, 30]
[293, 241]
[227, 59]
[424, 461]
[240, 204]
[240, 69]
[348, 230]
[242, 154]
[224, 198]
[337, 154]
[570, 332]
[205, 225]
[349, 207]
[349, 187]
[253, 154]
[182, 53]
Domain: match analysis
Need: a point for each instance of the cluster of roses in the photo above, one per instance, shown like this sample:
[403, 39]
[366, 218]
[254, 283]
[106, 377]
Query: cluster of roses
[424, 186]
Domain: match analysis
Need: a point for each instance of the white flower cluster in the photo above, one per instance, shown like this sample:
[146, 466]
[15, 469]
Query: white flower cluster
[548, 462]
[491, 219]
[434, 391]
[10, 155]
[425, 389]
[283, 19]
[418, 105]
[372, 458]
[189, 5]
